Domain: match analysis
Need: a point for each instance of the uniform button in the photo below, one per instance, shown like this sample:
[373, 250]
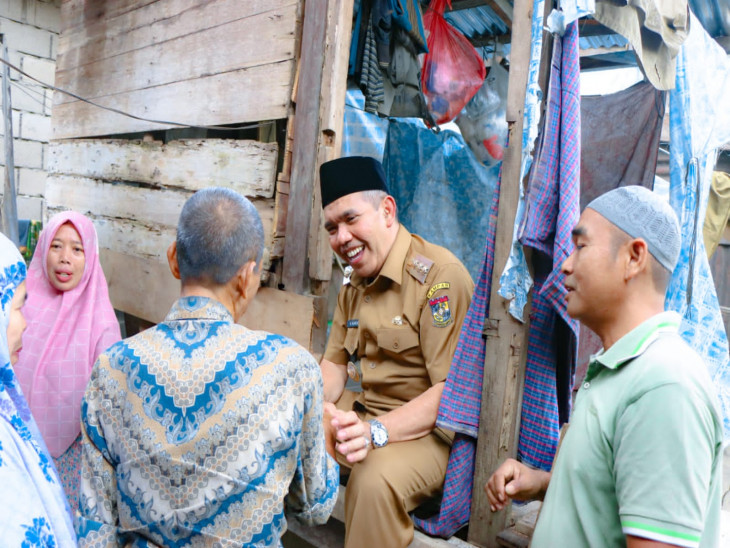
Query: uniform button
[395, 344]
[586, 385]
[372, 365]
[367, 298]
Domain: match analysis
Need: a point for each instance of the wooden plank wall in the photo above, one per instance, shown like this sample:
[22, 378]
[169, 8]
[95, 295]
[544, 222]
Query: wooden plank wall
[186, 61]
[134, 191]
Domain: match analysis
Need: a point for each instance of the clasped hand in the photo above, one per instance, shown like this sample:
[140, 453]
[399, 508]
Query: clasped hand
[352, 435]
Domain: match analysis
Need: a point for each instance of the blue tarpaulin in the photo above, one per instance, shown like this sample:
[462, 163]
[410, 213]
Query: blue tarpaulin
[443, 192]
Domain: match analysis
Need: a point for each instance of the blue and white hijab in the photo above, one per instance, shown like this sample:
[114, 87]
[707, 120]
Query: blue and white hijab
[34, 511]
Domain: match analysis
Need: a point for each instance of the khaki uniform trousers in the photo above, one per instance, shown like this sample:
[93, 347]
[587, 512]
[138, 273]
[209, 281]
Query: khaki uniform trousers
[391, 482]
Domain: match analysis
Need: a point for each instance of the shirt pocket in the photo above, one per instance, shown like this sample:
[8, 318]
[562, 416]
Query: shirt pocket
[397, 341]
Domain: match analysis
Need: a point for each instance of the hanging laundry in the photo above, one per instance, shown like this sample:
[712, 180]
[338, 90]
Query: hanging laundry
[387, 37]
[552, 210]
[718, 211]
[620, 139]
[655, 29]
[700, 123]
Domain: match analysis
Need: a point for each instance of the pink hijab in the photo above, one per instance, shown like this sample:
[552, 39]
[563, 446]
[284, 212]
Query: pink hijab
[66, 333]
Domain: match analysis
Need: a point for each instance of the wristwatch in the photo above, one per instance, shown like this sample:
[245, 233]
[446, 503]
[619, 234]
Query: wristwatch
[378, 433]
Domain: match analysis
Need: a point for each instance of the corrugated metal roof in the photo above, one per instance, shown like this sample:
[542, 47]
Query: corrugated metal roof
[479, 21]
[603, 41]
[482, 22]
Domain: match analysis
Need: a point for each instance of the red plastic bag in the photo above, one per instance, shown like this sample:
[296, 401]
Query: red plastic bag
[452, 70]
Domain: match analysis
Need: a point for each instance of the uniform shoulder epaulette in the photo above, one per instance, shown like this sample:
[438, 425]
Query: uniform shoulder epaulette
[419, 266]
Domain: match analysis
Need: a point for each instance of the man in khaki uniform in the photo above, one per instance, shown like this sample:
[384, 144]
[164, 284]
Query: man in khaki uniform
[395, 331]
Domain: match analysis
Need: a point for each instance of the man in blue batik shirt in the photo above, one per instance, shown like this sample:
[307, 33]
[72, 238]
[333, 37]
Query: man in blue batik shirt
[200, 431]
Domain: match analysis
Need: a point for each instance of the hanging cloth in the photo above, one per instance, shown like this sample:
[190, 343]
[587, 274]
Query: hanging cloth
[699, 124]
[655, 29]
[552, 211]
[619, 139]
[718, 211]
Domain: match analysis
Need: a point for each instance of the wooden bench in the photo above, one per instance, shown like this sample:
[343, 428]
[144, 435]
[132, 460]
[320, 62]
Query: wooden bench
[332, 534]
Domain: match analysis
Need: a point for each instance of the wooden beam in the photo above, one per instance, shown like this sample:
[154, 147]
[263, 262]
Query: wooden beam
[457, 5]
[248, 167]
[506, 337]
[503, 9]
[332, 114]
[590, 27]
[146, 289]
[156, 59]
[320, 103]
[331, 120]
[489, 40]
[597, 52]
[295, 275]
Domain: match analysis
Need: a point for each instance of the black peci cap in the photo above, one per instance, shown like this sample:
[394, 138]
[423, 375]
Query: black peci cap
[338, 178]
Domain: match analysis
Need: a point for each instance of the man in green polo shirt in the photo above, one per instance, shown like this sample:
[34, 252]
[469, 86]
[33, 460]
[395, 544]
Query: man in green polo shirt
[640, 464]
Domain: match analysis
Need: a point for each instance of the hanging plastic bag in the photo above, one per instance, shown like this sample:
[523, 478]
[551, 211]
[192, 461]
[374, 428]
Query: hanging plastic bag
[452, 70]
[483, 122]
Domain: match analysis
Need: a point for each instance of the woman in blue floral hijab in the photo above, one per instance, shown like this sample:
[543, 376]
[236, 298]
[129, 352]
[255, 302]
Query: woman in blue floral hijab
[33, 507]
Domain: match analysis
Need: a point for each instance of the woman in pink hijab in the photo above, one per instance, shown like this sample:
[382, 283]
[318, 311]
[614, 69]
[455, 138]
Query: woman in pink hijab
[70, 322]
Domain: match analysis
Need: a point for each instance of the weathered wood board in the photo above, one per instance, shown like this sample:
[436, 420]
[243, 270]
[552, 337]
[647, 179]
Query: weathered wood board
[248, 167]
[134, 191]
[194, 63]
[147, 289]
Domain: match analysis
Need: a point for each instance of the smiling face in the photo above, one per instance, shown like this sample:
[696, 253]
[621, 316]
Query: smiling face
[66, 259]
[361, 233]
[16, 323]
[594, 274]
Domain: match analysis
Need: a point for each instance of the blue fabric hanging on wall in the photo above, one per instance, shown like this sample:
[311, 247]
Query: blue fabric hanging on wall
[443, 192]
[699, 123]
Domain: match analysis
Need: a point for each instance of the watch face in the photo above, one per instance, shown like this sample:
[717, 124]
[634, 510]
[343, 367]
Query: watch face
[379, 435]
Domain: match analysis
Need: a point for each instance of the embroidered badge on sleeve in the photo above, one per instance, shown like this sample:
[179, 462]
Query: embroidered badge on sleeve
[440, 311]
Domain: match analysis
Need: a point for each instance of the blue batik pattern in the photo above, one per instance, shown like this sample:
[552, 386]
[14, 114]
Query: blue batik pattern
[35, 512]
[200, 430]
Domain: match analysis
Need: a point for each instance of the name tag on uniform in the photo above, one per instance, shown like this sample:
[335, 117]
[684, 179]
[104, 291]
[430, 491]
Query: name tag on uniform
[352, 323]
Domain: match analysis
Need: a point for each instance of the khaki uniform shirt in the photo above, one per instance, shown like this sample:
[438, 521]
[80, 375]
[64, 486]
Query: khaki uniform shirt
[403, 326]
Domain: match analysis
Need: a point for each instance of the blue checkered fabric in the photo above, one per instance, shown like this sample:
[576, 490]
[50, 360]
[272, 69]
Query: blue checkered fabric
[461, 399]
[553, 209]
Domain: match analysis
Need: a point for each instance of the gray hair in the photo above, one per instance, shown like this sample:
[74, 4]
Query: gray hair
[218, 232]
[375, 198]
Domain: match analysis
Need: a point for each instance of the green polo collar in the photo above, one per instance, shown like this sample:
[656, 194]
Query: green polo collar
[635, 342]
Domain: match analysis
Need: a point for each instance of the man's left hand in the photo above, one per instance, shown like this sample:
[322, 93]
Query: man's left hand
[352, 435]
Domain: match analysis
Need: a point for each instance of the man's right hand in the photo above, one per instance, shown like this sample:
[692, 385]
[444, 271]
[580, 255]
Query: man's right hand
[517, 481]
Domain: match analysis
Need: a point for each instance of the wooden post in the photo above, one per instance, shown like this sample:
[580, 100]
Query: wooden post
[504, 364]
[295, 276]
[9, 214]
[320, 100]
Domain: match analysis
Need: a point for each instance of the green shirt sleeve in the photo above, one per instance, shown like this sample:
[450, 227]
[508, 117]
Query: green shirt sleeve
[664, 458]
